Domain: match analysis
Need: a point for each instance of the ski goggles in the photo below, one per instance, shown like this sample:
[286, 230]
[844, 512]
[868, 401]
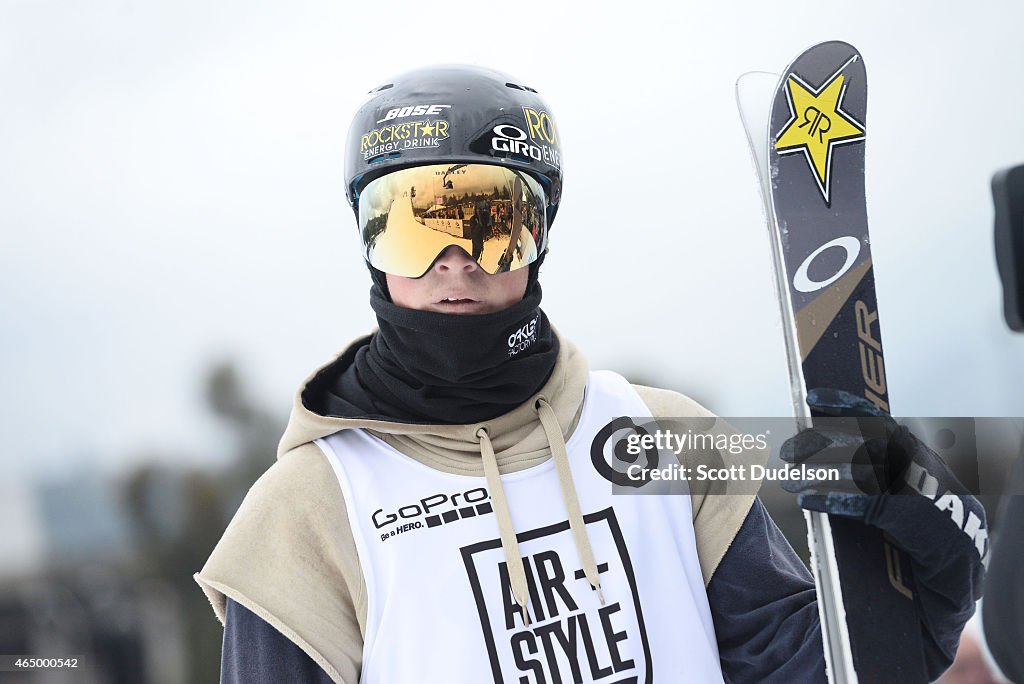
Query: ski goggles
[493, 213]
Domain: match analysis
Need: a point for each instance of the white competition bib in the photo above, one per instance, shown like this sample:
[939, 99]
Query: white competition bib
[439, 604]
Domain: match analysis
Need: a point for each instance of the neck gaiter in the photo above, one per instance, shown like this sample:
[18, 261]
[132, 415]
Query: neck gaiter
[427, 367]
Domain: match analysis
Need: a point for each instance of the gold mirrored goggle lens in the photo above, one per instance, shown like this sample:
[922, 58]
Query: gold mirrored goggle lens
[495, 214]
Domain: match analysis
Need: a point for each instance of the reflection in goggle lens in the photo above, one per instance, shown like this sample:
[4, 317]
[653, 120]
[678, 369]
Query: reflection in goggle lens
[495, 214]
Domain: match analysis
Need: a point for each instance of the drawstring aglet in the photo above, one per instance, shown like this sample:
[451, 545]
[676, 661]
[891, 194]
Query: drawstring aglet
[600, 596]
[526, 615]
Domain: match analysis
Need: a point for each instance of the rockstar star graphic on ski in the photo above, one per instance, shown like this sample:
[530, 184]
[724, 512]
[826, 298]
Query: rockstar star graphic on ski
[807, 132]
[818, 124]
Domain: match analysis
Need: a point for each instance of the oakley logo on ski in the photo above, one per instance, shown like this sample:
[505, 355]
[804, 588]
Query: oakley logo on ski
[413, 110]
[802, 280]
[869, 346]
[818, 124]
[422, 514]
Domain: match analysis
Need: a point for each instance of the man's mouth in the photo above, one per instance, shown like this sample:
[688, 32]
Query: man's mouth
[459, 304]
[457, 300]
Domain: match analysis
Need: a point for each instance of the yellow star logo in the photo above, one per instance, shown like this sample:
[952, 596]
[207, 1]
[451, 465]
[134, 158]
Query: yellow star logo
[427, 129]
[817, 125]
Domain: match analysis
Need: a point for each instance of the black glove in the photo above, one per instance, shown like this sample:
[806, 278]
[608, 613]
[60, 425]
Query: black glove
[891, 480]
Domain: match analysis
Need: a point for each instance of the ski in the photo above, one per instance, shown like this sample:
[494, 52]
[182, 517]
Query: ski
[807, 133]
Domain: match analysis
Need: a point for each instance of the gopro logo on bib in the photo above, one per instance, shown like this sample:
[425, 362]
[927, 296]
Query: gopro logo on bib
[523, 337]
[413, 110]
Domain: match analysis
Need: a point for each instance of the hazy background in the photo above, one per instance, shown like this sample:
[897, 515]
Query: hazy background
[176, 252]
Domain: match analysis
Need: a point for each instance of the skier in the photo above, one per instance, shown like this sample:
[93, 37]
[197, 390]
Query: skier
[479, 226]
[435, 513]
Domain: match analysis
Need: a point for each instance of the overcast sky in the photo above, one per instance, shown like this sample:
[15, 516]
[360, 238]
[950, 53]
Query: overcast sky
[171, 194]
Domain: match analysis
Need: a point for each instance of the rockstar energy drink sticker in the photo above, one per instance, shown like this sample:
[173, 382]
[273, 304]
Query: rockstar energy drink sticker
[540, 126]
[403, 136]
[818, 124]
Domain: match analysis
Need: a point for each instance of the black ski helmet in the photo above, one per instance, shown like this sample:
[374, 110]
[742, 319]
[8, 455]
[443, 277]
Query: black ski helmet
[453, 113]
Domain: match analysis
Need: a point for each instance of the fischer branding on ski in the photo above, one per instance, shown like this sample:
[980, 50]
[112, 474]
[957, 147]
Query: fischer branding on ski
[809, 153]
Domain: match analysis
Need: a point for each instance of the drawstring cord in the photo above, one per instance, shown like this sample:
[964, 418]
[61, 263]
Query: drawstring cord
[572, 503]
[509, 543]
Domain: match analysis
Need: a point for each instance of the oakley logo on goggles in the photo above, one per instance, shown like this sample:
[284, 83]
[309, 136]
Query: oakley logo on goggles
[495, 214]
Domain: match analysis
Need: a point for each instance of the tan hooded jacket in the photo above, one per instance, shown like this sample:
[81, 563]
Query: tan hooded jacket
[289, 556]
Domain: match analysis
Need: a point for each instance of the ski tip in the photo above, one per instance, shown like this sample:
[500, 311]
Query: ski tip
[833, 43]
[758, 82]
[754, 92]
[755, 74]
[829, 46]
[753, 81]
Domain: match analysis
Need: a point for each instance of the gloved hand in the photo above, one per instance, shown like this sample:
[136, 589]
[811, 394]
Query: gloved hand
[893, 481]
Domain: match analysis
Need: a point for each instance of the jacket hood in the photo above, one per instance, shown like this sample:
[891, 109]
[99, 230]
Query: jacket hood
[515, 434]
[528, 434]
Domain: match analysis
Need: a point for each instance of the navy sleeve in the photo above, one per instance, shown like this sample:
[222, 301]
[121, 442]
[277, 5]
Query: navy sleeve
[764, 607]
[256, 653]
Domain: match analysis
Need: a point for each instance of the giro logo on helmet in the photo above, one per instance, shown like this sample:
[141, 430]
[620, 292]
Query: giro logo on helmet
[514, 140]
[413, 110]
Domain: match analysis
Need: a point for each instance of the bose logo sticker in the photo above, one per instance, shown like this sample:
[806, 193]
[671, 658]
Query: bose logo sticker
[413, 110]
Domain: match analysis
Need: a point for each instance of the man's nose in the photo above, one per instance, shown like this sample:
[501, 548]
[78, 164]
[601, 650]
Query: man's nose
[454, 258]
